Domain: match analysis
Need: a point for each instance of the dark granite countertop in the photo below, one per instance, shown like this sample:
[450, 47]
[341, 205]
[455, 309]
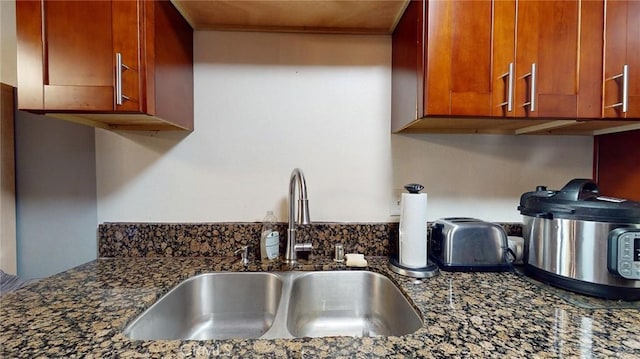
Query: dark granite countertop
[82, 312]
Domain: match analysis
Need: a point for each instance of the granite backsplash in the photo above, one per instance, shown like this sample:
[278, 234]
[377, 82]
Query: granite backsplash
[222, 239]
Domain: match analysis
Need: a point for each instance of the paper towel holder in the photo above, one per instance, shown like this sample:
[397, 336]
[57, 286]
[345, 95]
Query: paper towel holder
[414, 187]
[431, 269]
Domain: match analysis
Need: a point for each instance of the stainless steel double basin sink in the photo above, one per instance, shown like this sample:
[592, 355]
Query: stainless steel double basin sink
[271, 305]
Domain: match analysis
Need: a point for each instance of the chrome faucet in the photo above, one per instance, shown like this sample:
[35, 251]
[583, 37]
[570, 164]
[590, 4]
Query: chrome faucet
[297, 178]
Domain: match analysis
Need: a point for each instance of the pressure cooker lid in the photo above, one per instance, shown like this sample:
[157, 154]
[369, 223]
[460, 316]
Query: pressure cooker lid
[579, 199]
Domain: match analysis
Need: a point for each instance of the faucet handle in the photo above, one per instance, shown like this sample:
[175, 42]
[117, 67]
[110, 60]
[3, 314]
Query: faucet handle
[303, 247]
[303, 250]
[244, 252]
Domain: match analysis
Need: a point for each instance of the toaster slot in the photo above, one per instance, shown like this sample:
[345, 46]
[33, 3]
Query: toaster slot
[435, 242]
[455, 220]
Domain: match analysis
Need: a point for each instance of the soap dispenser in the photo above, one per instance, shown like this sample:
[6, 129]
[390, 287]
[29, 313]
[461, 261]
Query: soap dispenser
[269, 238]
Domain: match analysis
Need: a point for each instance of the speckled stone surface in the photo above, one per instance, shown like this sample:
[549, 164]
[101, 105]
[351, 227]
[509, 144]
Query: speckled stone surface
[82, 312]
[222, 239]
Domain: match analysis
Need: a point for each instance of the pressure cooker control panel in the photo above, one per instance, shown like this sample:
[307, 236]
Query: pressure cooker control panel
[624, 253]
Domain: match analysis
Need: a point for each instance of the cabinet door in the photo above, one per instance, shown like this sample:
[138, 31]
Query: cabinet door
[504, 52]
[458, 38]
[616, 164]
[622, 47]
[126, 53]
[557, 72]
[65, 55]
[407, 67]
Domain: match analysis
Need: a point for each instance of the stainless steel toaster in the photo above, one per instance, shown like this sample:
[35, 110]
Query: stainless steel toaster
[469, 245]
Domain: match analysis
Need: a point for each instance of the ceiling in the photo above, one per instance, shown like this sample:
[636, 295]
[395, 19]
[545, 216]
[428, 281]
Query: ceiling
[319, 16]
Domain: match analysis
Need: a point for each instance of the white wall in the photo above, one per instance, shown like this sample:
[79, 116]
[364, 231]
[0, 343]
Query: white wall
[8, 61]
[266, 103]
[483, 176]
[55, 195]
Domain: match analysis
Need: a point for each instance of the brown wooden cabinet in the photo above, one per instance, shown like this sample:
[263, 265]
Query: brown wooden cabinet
[558, 58]
[616, 164]
[112, 64]
[468, 66]
[622, 59]
[457, 57]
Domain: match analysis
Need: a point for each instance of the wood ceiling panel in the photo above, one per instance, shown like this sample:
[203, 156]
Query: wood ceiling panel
[324, 16]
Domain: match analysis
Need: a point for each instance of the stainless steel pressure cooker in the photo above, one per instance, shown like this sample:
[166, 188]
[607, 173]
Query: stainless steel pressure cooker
[581, 241]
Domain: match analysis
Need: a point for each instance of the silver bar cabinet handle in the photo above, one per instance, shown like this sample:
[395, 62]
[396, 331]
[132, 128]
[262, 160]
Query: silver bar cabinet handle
[509, 76]
[119, 67]
[625, 88]
[118, 78]
[510, 88]
[532, 96]
[533, 87]
[624, 103]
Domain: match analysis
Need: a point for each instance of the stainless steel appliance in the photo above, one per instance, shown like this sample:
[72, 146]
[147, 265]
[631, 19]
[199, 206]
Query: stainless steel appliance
[581, 241]
[469, 244]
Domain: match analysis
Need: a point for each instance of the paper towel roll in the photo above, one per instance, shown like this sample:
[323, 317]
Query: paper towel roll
[413, 230]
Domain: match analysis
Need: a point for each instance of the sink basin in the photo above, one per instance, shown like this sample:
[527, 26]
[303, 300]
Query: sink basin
[278, 305]
[349, 303]
[212, 306]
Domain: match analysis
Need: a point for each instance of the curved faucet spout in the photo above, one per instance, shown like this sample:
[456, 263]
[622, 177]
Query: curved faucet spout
[297, 180]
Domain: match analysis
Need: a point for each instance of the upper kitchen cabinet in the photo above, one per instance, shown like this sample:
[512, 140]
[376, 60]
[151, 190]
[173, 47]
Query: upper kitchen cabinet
[457, 58]
[441, 61]
[558, 58]
[622, 59]
[501, 66]
[616, 164]
[110, 64]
